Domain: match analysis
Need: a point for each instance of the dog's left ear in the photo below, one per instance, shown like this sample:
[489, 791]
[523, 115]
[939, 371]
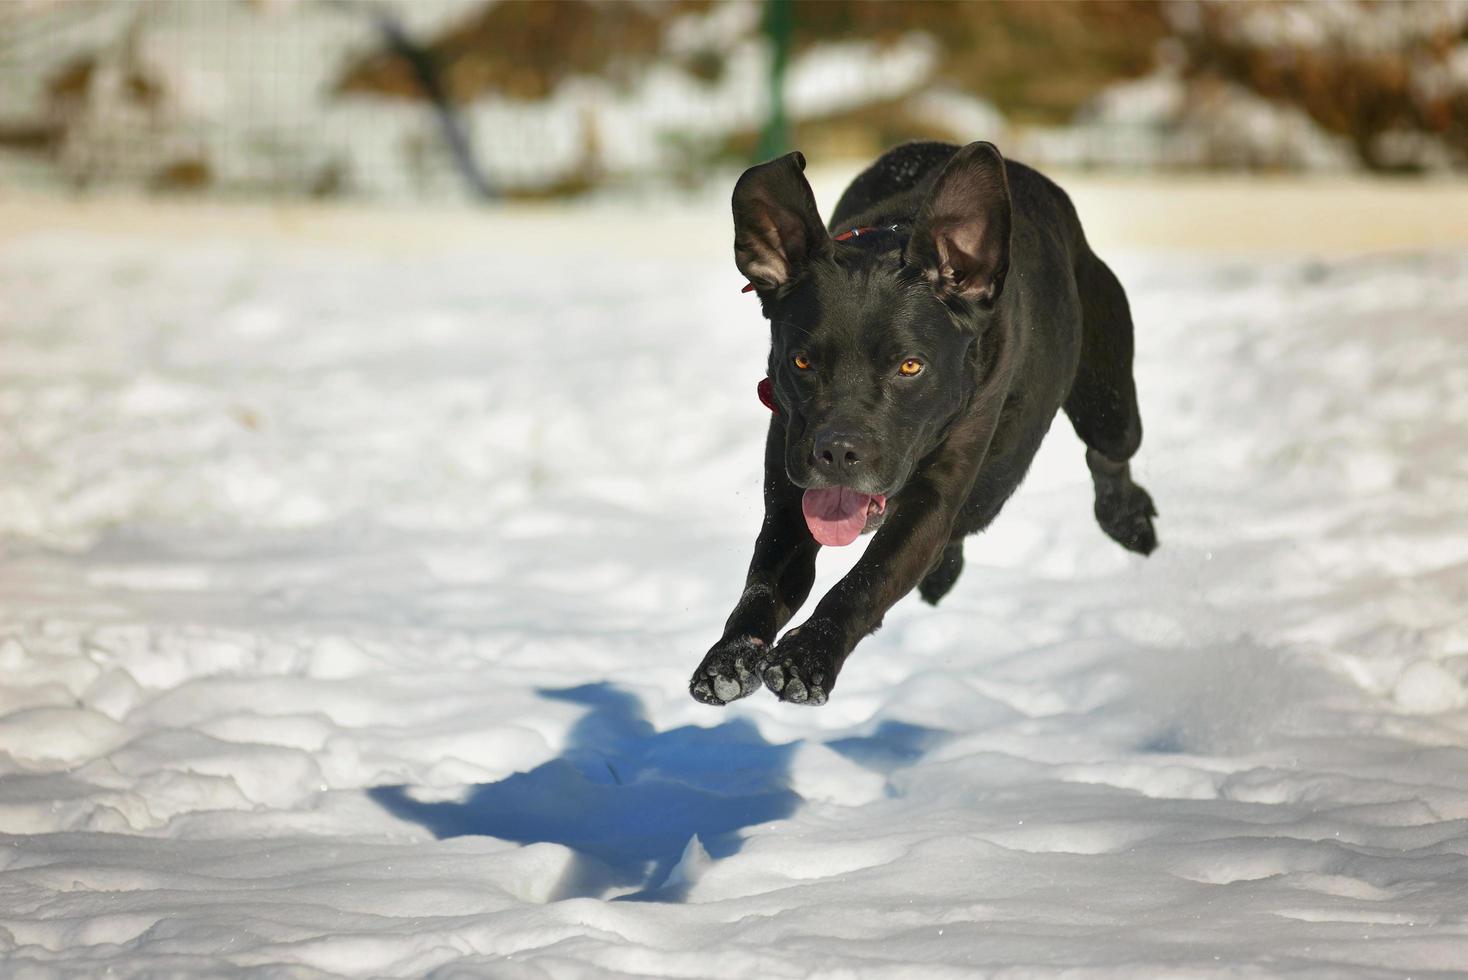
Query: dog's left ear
[961, 238]
[777, 229]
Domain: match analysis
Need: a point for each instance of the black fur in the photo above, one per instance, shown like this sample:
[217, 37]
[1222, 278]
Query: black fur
[987, 280]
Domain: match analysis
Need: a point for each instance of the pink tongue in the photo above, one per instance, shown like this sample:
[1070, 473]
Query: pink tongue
[836, 516]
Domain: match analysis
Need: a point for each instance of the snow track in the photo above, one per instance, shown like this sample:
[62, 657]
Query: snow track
[348, 600]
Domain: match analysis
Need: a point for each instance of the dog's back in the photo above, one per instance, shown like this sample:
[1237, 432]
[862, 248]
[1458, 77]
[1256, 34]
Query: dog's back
[892, 189]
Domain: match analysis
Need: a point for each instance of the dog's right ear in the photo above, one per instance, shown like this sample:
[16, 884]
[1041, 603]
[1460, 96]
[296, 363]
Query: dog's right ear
[777, 229]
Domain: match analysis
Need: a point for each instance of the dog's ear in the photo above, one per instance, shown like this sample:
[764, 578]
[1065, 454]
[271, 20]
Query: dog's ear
[777, 229]
[961, 239]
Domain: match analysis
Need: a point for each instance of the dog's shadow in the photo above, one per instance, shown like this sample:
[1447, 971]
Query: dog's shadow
[626, 799]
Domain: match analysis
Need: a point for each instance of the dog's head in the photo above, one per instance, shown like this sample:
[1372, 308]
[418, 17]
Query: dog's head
[874, 339]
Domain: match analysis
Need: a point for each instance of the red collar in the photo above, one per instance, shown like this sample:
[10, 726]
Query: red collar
[767, 395]
[844, 236]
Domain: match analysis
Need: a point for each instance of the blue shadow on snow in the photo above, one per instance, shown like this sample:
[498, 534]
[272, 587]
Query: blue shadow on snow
[626, 798]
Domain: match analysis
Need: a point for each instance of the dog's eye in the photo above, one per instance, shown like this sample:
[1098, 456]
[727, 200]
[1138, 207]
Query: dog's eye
[910, 368]
[801, 362]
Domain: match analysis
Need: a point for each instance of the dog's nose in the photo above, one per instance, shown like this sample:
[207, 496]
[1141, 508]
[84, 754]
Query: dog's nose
[840, 454]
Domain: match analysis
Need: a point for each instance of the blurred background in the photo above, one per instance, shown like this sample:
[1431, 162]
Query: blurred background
[477, 100]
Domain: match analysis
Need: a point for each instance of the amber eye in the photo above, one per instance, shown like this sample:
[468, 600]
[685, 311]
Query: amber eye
[801, 362]
[910, 368]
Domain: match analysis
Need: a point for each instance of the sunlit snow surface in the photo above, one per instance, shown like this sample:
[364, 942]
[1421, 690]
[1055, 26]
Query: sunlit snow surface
[348, 601]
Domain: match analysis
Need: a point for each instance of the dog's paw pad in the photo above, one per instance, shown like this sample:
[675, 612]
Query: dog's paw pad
[728, 689]
[790, 683]
[729, 672]
[797, 692]
[808, 691]
[802, 667]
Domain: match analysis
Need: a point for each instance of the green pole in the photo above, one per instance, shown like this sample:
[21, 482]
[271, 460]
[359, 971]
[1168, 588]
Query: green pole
[778, 21]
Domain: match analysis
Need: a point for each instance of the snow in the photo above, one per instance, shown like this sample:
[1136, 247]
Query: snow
[350, 591]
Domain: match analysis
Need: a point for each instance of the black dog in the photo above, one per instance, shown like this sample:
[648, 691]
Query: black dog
[917, 360]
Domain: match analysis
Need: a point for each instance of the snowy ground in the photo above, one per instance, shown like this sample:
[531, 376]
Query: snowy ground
[348, 597]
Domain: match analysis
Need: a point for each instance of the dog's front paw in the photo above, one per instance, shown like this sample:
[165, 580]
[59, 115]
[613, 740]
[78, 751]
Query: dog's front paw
[802, 668]
[730, 671]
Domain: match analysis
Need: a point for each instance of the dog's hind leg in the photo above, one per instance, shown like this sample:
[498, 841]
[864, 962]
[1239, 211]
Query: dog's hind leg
[1123, 509]
[1102, 406]
[943, 574]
